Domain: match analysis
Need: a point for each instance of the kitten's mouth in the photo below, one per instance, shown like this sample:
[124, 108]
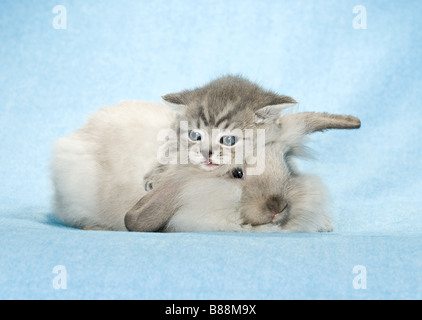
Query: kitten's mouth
[209, 165]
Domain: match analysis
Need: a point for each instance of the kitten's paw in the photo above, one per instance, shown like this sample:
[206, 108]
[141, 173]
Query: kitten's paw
[150, 181]
[151, 178]
[148, 185]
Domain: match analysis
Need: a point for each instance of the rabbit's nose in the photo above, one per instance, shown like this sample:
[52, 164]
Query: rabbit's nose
[276, 204]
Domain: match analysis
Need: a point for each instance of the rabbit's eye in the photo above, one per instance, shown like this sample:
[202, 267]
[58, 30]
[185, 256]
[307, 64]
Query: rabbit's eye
[228, 140]
[194, 135]
[237, 173]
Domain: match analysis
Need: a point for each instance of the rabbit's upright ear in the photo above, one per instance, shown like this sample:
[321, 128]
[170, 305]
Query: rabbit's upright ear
[153, 211]
[309, 122]
[294, 127]
[313, 121]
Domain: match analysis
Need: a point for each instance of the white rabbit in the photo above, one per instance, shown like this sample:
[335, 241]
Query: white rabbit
[98, 173]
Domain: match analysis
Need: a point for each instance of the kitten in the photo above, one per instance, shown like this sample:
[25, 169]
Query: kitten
[219, 124]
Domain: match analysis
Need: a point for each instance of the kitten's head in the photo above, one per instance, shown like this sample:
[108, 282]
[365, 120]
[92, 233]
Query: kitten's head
[213, 120]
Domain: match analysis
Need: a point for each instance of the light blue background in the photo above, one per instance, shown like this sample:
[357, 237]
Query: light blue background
[51, 80]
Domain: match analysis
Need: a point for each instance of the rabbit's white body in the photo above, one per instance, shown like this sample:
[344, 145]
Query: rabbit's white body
[211, 204]
[98, 170]
[206, 203]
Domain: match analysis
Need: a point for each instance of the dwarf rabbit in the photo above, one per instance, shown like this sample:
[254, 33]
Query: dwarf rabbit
[98, 172]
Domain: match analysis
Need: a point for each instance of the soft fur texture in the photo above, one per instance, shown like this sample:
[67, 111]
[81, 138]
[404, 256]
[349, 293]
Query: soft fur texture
[98, 170]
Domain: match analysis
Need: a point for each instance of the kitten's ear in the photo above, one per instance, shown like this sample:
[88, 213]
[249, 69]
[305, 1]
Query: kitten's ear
[272, 111]
[175, 101]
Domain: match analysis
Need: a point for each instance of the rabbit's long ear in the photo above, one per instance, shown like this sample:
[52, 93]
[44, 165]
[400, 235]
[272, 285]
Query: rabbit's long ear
[309, 122]
[294, 127]
[153, 211]
[313, 121]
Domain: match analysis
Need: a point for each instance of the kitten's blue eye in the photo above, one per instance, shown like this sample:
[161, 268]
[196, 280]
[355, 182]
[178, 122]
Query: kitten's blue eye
[228, 140]
[194, 135]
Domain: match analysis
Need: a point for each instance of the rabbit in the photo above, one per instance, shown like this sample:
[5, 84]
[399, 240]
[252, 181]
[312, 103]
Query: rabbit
[98, 176]
[190, 200]
[281, 199]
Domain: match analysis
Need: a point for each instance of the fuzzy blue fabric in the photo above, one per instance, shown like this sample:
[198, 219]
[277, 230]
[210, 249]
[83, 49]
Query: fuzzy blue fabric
[59, 66]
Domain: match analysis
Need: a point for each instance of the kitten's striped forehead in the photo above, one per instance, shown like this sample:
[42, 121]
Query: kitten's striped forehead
[226, 117]
[225, 103]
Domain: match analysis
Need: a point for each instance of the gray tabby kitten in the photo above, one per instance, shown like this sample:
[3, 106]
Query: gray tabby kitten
[216, 117]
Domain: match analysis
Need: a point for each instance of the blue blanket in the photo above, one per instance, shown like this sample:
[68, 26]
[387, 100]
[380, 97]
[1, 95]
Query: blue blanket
[61, 63]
